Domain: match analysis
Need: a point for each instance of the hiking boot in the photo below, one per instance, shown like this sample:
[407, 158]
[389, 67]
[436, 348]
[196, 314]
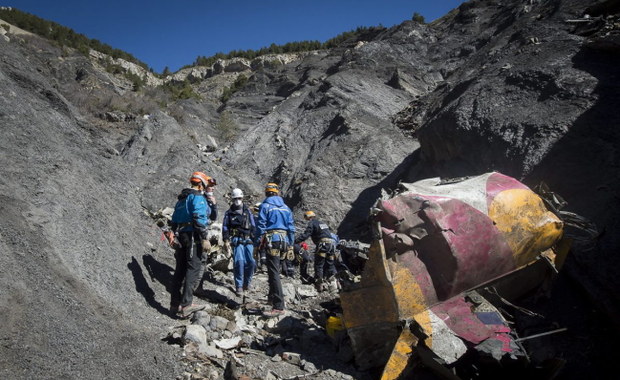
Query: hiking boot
[239, 292]
[187, 311]
[273, 313]
[175, 308]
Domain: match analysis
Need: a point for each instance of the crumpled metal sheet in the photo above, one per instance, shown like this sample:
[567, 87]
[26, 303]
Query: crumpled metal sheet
[438, 241]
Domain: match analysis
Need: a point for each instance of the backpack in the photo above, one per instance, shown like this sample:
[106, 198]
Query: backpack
[240, 221]
[181, 213]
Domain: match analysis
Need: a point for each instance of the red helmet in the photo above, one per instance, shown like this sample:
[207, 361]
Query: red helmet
[200, 178]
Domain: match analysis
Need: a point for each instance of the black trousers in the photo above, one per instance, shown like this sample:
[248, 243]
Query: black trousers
[273, 272]
[288, 268]
[187, 269]
[323, 267]
[306, 259]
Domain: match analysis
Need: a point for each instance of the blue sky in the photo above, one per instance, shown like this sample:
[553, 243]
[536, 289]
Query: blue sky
[173, 33]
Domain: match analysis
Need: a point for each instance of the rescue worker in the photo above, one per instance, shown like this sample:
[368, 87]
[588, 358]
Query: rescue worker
[303, 257]
[325, 252]
[211, 199]
[189, 224]
[276, 231]
[211, 202]
[238, 230]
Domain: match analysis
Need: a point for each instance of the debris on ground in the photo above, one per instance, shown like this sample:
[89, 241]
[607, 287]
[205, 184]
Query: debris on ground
[439, 242]
[428, 297]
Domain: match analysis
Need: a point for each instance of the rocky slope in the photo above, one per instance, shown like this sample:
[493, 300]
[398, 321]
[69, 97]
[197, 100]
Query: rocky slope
[529, 88]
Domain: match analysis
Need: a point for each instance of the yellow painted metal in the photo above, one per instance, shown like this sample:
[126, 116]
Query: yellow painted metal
[528, 227]
[423, 319]
[408, 294]
[333, 325]
[401, 353]
[374, 301]
[561, 250]
[389, 293]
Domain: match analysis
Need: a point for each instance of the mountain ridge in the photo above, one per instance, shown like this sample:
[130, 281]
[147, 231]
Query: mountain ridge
[507, 86]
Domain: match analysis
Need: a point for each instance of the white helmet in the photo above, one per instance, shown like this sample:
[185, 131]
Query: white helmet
[236, 193]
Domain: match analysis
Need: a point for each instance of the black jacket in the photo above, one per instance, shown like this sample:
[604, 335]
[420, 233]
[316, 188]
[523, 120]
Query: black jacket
[239, 221]
[317, 230]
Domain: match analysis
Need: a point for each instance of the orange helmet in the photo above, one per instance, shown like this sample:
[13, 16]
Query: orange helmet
[272, 188]
[309, 214]
[200, 178]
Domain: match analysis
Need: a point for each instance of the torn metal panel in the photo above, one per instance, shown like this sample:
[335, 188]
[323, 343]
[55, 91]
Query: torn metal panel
[437, 242]
[445, 343]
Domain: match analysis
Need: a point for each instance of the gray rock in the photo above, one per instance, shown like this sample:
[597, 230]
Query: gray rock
[211, 350]
[288, 290]
[307, 291]
[291, 357]
[227, 344]
[232, 327]
[196, 334]
[247, 340]
[204, 322]
[201, 315]
[219, 323]
[307, 366]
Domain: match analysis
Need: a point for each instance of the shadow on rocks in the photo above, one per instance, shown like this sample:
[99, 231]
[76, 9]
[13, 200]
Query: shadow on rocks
[159, 272]
[217, 291]
[143, 287]
[216, 296]
[310, 348]
[355, 222]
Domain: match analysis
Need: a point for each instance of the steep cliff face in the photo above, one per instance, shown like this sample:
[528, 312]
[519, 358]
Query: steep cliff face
[509, 86]
[537, 101]
[72, 236]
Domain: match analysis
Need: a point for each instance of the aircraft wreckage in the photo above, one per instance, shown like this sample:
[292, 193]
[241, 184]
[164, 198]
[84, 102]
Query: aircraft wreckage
[441, 252]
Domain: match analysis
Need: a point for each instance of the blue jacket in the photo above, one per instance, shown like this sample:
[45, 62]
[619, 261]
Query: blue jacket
[191, 213]
[273, 214]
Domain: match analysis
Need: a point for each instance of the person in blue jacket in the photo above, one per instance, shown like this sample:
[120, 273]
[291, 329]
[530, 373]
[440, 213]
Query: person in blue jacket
[276, 233]
[238, 230]
[189, 222]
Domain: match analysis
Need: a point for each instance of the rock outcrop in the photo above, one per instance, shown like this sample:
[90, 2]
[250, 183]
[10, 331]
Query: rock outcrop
[514, 86]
